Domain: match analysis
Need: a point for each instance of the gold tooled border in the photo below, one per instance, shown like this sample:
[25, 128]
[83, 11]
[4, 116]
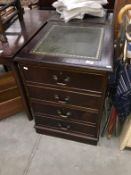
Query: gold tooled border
[97, 57]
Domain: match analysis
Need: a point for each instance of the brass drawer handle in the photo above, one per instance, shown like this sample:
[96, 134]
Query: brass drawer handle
[64, 127]
[66, 115]
[67, 79]
[62, 81]
[55, 77]
[61, 84]
[25, 68]
[63, 116]
[65, 100]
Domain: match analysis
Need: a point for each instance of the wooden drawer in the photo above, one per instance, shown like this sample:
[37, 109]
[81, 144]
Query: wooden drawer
[7, 81]
[87, 81]
[10, 100]
[66, 126]
[89, 100]
[60, 112]
[10, 107]
[9, 94]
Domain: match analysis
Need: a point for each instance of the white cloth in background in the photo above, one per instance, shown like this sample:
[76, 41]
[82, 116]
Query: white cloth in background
[70, 9]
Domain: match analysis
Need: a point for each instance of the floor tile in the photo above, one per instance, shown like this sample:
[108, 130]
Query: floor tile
[17, 140]
[63, 157]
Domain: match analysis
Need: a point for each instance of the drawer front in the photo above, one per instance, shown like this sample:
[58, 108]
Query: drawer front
[9, 94]
[65, 97]
[66, 126]
[65, 113]
[87, 81]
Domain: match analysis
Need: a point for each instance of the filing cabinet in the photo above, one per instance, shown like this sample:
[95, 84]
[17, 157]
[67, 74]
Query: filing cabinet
[65, 81]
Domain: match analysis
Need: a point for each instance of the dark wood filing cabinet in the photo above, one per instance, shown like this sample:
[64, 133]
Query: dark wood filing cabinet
[64, 71]
[45, 4]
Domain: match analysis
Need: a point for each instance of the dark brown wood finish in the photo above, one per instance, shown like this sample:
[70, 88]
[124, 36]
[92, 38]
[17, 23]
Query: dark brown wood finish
[46, 4]
[68, 126]
[67, 135]
[110, 4]
[94, 81]
[105, 63]
[59, 111]
[18, 35]
[66, 95]
[21, 33]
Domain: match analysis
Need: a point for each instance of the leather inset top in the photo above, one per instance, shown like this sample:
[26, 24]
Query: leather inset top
[72, 41]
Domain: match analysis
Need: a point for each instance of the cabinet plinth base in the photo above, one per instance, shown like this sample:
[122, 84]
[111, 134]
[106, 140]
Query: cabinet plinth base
[70, 136]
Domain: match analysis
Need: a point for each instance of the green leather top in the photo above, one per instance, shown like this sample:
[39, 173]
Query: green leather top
[71, 41]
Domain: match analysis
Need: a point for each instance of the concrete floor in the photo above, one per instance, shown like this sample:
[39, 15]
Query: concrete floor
[23, 152]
